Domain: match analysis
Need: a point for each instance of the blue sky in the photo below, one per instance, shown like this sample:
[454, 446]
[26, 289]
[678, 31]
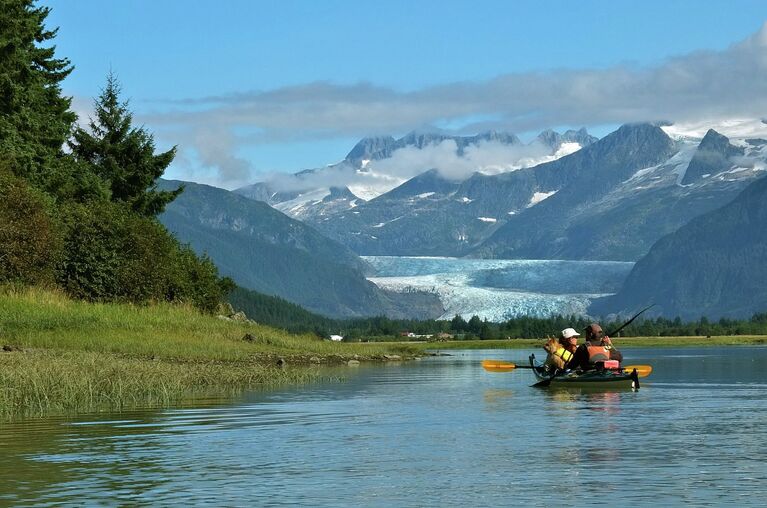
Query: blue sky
[246, 87]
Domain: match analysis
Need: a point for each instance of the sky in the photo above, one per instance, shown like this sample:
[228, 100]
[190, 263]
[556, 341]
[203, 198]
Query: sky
[250, 88]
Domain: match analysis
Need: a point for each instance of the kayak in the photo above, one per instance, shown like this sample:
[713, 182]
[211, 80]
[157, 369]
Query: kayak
[597, 379]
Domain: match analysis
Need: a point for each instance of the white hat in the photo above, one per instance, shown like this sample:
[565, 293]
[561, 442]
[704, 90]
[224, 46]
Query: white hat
[570, 332]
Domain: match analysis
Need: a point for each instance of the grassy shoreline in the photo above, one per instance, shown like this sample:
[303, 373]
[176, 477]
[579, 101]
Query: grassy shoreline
[66, 356]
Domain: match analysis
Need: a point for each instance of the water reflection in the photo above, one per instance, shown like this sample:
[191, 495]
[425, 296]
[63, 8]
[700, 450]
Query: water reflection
[497, 397]
[437, 432]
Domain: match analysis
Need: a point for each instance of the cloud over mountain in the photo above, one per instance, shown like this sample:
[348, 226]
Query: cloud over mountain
[701, 85]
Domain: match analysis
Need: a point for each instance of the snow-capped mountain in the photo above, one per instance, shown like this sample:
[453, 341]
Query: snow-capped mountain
[377, 165]
[611, 200]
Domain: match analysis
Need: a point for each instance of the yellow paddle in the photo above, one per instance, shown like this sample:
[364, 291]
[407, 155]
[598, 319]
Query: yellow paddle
[642, 370]
[504, 366]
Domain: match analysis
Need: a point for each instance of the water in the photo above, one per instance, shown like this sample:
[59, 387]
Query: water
[439, 432]
[499, 289]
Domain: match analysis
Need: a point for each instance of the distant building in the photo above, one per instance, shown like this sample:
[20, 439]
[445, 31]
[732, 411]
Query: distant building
[337, 338]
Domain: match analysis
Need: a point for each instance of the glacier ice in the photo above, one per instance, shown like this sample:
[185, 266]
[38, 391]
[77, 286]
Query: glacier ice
[501, 289]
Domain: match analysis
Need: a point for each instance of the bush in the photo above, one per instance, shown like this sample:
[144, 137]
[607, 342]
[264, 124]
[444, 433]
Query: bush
[114, 254]
[29, 238]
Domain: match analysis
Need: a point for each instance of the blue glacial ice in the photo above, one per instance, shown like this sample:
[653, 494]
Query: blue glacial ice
[501, 289]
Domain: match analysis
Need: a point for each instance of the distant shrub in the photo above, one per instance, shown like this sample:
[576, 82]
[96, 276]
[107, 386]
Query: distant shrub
[29, 237]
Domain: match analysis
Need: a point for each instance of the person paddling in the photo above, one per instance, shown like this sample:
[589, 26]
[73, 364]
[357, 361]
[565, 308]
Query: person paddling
[596, 350]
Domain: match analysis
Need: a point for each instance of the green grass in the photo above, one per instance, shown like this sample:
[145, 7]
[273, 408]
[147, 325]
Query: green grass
[43, 319]
[72, 356]
[42, 381]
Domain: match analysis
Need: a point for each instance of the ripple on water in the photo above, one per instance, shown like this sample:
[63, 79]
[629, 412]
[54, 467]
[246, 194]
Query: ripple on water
[437, 432]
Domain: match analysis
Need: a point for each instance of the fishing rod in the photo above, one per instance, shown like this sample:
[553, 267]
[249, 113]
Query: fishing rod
[624, 325]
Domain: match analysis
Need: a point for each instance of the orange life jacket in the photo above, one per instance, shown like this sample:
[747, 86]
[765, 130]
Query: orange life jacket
[598, 354]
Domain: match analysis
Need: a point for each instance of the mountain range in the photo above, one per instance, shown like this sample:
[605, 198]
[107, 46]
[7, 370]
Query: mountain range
[264, 250]
[307, 193]
[590, 199]
[610, 200]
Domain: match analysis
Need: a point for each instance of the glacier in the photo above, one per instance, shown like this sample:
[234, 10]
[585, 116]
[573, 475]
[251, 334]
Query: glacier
[500, 289]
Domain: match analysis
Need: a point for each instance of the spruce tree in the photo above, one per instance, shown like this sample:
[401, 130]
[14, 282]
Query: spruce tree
[123, 155]
[35, 120]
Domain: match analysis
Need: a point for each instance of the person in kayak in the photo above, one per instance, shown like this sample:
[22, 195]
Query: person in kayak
[560, 351]
[597, 349]
[569, 339]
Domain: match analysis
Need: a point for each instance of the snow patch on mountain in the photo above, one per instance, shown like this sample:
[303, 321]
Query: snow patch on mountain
[295, 206]
[539, 196]
[382, 224]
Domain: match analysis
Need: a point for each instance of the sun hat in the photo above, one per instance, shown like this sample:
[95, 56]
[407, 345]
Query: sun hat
[569, 332]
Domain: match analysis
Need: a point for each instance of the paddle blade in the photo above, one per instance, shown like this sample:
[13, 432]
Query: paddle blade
[642, 370]
[498, 366]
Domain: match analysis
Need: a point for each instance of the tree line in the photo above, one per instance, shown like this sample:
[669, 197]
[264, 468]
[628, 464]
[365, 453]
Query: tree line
[279, 313]
[78, 204]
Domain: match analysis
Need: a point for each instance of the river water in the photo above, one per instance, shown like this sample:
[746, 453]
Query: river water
[437, 432]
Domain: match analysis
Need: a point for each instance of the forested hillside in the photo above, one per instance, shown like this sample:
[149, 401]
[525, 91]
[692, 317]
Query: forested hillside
[714, 266]
[78, 205]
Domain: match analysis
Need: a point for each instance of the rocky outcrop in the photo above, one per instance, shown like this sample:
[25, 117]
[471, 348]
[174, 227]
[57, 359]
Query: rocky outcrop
[714, 154]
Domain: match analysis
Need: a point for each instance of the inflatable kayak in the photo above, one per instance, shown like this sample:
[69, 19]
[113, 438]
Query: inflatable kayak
[597, 379]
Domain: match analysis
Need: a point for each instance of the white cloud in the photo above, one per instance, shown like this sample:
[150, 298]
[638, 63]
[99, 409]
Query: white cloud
[485, 157]
[711, 85]
[730, 127]
[490, 157]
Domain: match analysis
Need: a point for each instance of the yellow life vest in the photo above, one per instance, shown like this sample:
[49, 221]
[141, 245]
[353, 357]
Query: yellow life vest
[563, 353]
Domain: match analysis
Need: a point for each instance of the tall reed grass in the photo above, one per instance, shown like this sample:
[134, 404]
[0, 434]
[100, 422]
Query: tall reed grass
[70, 356]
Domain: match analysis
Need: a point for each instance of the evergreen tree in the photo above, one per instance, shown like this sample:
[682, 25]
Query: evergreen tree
[458, 324]
[123, 155]
[35, 119]
[474, 324]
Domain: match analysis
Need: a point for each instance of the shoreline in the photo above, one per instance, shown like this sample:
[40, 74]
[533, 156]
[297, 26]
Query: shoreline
[661, 342]
[60, 356]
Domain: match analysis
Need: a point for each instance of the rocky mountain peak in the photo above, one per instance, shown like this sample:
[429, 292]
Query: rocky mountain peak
[554, 139]
[636, 140]
[713, 156]
[581, 136]
[379, 147]
[430, 181]
[550, 138]
[506, 138]
[337, 193]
